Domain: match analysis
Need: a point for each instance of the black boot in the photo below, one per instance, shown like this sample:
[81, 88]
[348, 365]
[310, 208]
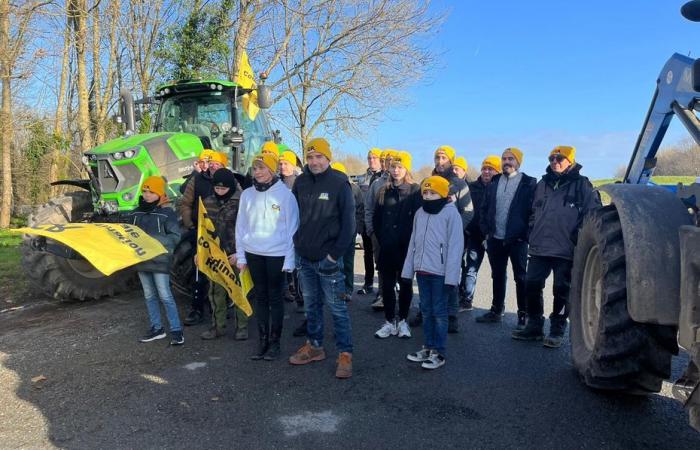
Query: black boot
[273, 351]
[193, 318]
[533, 331]
[263, 343]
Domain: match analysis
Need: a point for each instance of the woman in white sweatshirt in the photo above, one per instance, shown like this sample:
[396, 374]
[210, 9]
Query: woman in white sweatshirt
[268, 217]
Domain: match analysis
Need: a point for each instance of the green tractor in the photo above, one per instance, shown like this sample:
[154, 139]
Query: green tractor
[188, 116]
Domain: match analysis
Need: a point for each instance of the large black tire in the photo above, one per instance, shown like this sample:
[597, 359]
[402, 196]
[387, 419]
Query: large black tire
[69, 279]
[610, 350]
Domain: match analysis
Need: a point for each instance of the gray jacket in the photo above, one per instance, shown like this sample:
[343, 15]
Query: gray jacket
[558, 208]
[436, 245]
[370, 201]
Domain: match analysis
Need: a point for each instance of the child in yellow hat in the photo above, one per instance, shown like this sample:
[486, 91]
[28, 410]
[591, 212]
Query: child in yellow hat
[434, 256]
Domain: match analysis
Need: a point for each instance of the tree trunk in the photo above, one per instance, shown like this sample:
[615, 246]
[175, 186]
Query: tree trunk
[57, 167]
[79, 13]
[6, 132]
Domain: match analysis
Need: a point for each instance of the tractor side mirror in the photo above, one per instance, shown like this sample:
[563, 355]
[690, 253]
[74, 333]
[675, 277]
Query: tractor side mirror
[264, 96]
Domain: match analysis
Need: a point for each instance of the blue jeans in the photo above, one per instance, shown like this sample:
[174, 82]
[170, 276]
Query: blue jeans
[433, 305]
[157, 285]
[323, 282]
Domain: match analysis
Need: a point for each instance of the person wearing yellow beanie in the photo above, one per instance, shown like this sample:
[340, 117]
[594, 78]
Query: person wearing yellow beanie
[561, 200]
[460, 167]
[288, 167]
[504, 219]
[340, 167]
[434, 254]
[397, 200]
[158, 221]
[375, 171]
[459, 194]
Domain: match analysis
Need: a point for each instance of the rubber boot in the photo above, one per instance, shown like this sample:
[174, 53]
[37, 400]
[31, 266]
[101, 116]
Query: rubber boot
[273, 351]
[263, 343]
[532, 331]
[241, 325]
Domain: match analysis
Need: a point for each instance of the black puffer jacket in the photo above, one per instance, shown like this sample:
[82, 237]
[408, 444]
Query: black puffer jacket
[161, 224]
[518, 214]
[459, 189]
[393, 223]
[326, 214]
[560, 203]
[477, 190]
[223, 214]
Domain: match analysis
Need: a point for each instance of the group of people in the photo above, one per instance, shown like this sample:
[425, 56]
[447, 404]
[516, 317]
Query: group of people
[294, 228]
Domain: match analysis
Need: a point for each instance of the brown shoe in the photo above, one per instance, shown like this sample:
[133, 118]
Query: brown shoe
[344, 369]
[307, 354]
[212, 333]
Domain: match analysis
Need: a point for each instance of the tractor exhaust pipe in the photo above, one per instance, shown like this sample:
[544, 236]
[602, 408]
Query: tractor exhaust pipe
[127, 111]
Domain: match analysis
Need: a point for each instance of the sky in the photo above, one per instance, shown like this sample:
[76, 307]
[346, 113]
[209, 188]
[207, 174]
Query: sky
[536, 74]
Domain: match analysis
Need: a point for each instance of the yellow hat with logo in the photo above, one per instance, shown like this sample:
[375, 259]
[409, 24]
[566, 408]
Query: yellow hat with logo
[461, 162]
[154, 184]
[205, 155]
[319, 145]
[268, 159]
[436, 183]
[289, 156]
[269, 147]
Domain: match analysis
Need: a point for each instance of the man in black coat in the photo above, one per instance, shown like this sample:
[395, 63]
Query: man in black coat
[562, 198]
[474, 254]
[504, 218]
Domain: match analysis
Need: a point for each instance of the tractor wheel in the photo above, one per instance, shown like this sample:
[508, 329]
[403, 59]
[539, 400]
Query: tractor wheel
[62, 278]
[609, 349]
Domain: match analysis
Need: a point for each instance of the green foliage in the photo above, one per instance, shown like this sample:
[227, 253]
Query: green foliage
[199, 45]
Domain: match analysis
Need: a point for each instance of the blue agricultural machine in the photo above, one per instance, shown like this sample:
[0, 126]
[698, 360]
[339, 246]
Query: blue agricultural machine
[635, 292]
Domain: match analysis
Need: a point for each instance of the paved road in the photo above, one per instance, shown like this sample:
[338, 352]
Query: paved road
[73, 376]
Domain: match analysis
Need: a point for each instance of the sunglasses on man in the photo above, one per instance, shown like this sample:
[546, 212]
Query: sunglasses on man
[559, 158]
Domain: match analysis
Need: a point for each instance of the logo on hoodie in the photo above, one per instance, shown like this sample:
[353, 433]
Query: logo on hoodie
[323, 196]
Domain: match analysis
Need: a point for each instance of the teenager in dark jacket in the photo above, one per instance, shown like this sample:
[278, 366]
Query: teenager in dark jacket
[444, 158]
[474, 254]
[222, 208]
[397, 202]
[562, 198]
[157, 219]
[504, 220]
[326, 229]
[198, 186]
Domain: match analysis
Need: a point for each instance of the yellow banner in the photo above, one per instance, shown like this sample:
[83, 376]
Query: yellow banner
[107, 246]
[213, 262]
[246, 76]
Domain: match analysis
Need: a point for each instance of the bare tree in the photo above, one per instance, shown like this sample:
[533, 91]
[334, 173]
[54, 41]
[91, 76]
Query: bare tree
[343, 61]
[103, 97]
[78, 13]
[15, 25]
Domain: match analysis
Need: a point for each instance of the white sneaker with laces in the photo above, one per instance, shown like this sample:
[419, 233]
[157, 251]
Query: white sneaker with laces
[403, 330]
[435, 360]
[421, 355]
[388, 329]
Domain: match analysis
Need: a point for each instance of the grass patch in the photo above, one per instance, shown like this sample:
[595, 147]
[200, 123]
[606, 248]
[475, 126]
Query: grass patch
[13, 284]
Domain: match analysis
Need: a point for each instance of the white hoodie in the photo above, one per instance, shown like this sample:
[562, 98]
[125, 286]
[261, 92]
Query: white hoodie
[266, 224]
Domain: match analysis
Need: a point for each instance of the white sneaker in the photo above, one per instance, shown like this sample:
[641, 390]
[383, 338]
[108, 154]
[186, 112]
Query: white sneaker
[434, 361]
[403, 330]
[388, 329]
[421, 355]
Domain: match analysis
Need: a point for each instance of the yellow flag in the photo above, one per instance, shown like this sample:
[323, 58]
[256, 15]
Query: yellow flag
[107, 246]
[213, 262]
[250, 104]
[246, 77]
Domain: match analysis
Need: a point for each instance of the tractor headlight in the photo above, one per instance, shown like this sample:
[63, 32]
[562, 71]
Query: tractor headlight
[212, 87]
[128, 197]
[129, 154]
[118, 155]
[110, 207]
[219, 87]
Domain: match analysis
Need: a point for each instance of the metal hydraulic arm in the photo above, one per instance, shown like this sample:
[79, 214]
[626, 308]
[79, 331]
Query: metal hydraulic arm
[677, 93]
